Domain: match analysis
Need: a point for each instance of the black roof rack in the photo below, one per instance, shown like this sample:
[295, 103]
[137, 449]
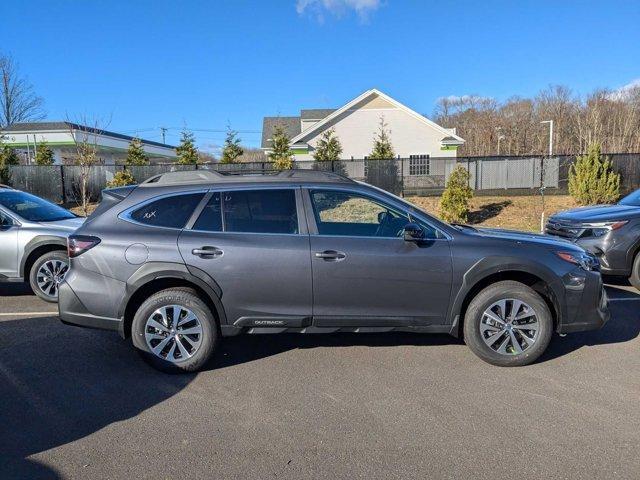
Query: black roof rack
[186, 177]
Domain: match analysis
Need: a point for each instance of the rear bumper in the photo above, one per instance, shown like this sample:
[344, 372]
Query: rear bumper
[587, 308]
[72, 312]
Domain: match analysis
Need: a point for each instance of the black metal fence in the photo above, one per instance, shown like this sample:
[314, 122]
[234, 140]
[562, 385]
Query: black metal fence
[403, 176]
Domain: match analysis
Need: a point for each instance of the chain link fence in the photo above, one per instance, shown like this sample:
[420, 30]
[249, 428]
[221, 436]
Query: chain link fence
[402, 176]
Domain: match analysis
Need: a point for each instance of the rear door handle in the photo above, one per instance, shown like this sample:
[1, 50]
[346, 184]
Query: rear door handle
[207, 252]
[331, 255]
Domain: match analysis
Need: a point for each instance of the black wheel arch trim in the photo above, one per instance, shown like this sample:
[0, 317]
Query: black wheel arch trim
[37, 242]
[166, 270]
[489, 266]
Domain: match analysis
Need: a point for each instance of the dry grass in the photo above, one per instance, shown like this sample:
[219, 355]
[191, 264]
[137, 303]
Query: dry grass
[517, 212]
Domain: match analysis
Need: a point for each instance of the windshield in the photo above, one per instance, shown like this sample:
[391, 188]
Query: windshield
[633, 199]
[32, 208]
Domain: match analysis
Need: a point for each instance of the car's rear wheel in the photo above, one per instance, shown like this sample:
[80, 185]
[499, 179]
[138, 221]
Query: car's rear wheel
[175, 331]
[47, 273]
[634, 278]
[508, 324]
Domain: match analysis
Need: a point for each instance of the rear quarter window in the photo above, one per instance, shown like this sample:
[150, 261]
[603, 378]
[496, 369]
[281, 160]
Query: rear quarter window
[167, 212]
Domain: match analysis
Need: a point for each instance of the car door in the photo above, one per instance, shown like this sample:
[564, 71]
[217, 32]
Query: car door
[254, 243]
[8, 246]
[364, 272]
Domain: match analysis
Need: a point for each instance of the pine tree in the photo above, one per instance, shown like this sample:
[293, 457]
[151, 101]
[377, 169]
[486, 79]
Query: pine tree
[232, 149]
[382, 148]
[281, 154]
[186, 151]
[44, 154]
[592, 179]
[454, 204]
[122, 178]
[136, 155]
[328, 147]
[8, 156]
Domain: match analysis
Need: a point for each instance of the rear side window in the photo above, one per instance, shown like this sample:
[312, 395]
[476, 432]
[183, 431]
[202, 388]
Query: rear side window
[210, 220]
[168, 212]
[250, 211]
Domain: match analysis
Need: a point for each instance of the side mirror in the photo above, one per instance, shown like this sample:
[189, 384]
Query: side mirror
[413, 232]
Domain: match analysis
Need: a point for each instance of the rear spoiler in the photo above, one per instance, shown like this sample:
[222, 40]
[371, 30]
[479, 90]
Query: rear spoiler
[119, 193]
[110, 198]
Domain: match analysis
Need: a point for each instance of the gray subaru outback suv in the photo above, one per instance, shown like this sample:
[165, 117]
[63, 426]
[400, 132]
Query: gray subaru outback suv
[187, 258]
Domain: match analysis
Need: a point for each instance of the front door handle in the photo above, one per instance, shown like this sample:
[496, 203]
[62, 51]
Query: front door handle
[331, 255]
[207, 252]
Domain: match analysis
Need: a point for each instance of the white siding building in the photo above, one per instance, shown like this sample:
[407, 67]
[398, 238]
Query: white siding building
[412, 135]
[62, 138]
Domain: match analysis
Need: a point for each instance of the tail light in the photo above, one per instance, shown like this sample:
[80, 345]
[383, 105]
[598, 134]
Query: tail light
[78, 244]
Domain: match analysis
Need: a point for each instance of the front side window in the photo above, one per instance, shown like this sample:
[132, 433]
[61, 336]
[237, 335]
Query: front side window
[168, 212]
[250, 211]
[32, 208]
[352, 214]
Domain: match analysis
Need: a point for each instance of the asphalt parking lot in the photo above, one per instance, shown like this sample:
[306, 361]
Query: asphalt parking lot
[78, 403]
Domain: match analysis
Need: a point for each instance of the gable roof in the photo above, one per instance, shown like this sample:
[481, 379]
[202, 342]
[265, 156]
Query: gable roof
[67, 126]
[316, 113]
[291, 126]
[318, 126]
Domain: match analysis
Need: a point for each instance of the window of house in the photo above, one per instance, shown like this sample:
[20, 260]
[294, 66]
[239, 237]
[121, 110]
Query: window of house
[419, 165]
[168, 212]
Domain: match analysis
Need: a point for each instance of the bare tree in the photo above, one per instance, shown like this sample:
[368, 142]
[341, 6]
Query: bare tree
[85, 136]
[18, 102]
[609, 118]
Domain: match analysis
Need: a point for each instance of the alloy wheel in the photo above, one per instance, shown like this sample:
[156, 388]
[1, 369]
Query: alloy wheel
[50, 275]
[509, 326]
[173, 333]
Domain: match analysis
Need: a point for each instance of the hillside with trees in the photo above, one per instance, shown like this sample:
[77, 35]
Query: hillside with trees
[512, 127]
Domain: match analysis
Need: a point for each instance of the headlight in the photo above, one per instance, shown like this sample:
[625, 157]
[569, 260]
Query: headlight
[583, 259]
[602, 228]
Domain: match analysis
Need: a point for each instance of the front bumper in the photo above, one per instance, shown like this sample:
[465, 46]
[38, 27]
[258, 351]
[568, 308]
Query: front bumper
[73, 312]
[587, 306]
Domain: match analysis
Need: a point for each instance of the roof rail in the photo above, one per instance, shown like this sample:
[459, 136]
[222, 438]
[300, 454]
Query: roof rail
[185, 177]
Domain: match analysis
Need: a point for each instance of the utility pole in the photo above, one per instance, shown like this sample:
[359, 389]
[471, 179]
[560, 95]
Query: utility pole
[163, 131]
[550, 122]
[542, 172]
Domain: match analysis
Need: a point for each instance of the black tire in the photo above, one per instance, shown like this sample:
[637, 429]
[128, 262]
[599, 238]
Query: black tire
[484, 300]
[188, 299]
[50, 292]
[634, 278]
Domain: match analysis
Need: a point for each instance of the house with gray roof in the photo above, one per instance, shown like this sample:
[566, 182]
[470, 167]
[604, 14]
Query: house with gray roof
[63, 137]
[412, 135]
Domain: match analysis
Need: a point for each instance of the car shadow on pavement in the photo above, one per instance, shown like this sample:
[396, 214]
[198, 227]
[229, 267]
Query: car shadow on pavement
[17, 289]
[248, 348]
[60, 384]
[623, 326]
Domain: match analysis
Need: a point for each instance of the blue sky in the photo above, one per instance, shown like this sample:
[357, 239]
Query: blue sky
[146, 64]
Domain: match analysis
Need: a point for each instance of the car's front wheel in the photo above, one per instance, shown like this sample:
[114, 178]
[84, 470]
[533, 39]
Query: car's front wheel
[634, 278]
[508, 324]
[46, 274]
[175, 330]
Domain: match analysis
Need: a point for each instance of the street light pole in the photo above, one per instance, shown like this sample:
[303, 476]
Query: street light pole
[550, 122]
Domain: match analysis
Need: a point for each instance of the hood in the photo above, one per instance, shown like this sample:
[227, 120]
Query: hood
[527, 238]
[597, 213]
[70, 224]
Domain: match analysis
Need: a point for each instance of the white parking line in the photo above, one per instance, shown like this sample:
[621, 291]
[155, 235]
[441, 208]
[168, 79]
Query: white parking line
[22, 314]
